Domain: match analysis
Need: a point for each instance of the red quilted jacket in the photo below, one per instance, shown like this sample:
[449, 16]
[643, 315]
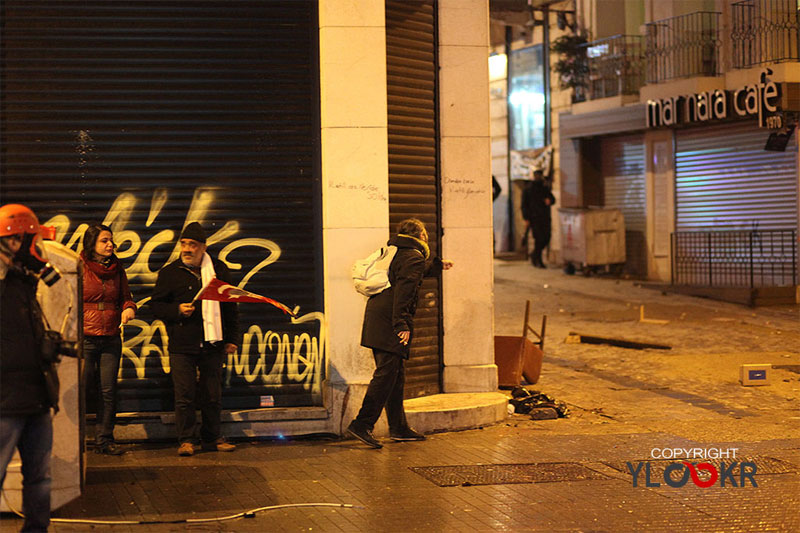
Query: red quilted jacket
[105, 295]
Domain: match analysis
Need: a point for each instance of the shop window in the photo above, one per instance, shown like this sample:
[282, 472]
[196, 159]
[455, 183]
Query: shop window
[526, 98]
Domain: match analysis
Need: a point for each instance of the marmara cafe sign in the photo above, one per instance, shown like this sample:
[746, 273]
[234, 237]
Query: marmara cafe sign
[762, 99]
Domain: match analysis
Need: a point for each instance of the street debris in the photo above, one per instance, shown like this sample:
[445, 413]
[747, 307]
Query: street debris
[599, 412]
[543, 413]
[578, 338]
[518, 357]
[755, 374]
[539, 405]
[644, 320]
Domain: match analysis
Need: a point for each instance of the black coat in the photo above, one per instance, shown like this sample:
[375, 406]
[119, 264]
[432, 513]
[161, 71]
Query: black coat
[392, 311]
[177, 284]
[22, 383]
[533, 201]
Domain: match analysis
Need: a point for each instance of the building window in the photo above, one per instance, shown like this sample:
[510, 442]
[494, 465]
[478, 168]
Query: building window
[526, 98]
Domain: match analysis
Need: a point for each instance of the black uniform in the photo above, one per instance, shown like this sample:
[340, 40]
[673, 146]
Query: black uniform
[25, 399]
[537, 213]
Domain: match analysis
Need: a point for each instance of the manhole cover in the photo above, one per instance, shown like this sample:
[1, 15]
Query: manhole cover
[502, 474]
[764, 465]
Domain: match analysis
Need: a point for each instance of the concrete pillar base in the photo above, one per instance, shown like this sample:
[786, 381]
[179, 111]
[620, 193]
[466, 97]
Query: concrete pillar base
[448, 412]
[470, 378]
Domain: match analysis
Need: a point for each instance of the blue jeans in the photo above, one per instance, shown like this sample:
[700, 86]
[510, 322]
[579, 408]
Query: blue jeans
[102, 355]
[33, 435]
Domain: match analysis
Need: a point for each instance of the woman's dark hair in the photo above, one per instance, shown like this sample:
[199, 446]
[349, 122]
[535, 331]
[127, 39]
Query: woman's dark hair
[90, 238]
[411, 226]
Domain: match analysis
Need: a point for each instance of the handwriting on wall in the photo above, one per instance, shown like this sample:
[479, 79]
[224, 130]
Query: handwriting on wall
[463, 186]
[368, 190]
[272, 357]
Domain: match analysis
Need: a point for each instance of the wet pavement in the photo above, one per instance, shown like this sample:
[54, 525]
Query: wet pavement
[629, 408]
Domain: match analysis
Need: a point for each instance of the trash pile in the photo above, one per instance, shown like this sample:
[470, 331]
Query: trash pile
[539, 405]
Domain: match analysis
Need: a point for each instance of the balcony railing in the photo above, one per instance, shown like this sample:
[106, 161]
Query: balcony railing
[765, 31]
[735, 258]
[684, 46]
[615, 66]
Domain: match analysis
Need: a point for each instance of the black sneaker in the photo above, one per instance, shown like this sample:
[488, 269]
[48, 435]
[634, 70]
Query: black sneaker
[109, 448]
[364, 435]
[406, 434]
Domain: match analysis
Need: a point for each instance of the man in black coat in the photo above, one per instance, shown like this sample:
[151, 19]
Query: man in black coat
[388, 329]
[536, 202]
[199, 340]
[25, 402]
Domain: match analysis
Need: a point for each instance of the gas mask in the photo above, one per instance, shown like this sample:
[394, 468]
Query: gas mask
[32, 259]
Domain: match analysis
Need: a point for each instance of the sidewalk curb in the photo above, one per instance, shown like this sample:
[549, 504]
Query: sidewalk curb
[448, 412]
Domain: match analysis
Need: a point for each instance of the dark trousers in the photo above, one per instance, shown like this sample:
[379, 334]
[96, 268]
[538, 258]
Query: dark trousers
[385, 390]
[198, 384]
[102, 354]
[541, 229]
[33, 436]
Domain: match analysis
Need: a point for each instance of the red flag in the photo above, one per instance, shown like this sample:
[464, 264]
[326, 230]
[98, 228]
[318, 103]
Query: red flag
[224, 292]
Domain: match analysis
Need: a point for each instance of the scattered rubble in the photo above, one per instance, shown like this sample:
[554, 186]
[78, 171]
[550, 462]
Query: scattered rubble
[539, 405]
[578, 338]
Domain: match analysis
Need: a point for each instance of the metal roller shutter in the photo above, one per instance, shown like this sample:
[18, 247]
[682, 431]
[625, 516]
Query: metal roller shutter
[413, 166]
[624, 188]
[148, 114]
[725, 180]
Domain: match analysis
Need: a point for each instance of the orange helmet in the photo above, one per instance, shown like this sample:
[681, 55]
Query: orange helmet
[16, 219]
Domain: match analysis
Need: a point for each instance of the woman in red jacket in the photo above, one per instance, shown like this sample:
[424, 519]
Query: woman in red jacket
[107, 303]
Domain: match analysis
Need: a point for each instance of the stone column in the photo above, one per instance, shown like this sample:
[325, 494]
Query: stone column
[355, 190]
[467, 297]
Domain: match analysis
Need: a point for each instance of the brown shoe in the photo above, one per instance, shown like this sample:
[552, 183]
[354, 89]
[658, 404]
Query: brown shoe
[220, 445]
[186, 449]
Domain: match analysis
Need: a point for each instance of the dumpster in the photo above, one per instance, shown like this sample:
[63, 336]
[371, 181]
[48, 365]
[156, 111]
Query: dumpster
[592, 236]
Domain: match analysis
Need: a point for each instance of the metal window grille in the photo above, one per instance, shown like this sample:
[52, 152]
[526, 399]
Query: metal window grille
[765, 31]
[684, 46]
[735, 258]
[616, 66]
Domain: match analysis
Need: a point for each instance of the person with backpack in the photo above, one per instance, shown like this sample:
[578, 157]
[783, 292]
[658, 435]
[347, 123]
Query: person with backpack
[388, 330]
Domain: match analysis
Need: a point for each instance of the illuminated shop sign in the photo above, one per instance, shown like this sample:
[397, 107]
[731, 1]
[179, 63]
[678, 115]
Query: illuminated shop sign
[762, 99]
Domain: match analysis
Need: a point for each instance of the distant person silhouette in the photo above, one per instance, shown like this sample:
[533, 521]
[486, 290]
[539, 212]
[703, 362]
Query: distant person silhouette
[536, 202]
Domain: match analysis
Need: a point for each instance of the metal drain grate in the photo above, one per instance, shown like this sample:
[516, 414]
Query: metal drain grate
[764, 465]
[503, 474]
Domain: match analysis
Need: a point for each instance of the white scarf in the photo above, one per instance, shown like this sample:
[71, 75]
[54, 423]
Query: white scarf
[212, 319]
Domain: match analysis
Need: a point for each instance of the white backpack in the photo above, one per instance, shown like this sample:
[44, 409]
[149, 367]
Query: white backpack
[371, 274]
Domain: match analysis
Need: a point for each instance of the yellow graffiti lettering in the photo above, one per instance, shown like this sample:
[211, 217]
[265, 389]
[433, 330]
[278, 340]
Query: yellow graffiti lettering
[300, 360]
[270, 357]
[157, 203]
[144, 339]
[274, 254]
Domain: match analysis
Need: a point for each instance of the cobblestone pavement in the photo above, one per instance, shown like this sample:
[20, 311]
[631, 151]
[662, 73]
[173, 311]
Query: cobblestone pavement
[625, 403]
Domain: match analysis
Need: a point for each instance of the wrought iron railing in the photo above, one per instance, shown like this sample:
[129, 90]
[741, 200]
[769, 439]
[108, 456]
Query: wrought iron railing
[752, 259]
[765, 31]
[684, 46]
[615, 66]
